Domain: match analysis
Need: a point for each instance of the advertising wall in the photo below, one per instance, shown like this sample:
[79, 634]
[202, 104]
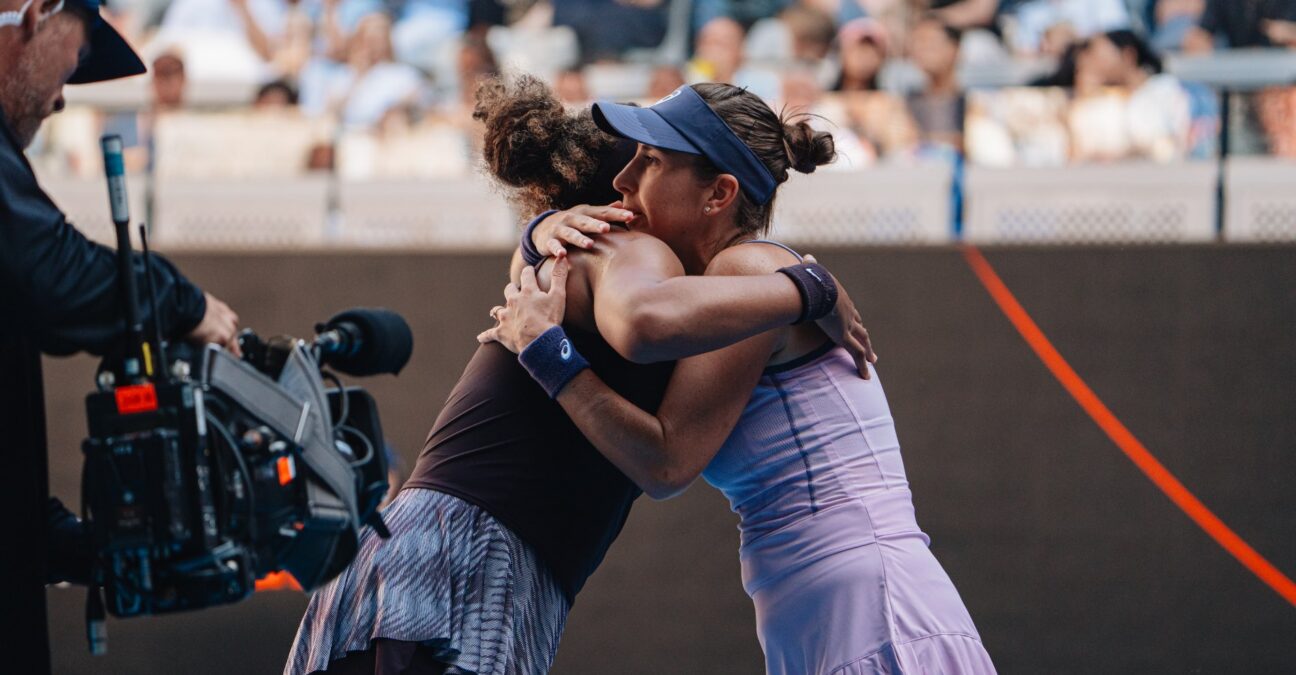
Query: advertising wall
[1069, 558]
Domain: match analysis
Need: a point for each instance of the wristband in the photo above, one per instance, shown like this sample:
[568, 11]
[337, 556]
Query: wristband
[817, 288]
[552, 360]
[530, 254]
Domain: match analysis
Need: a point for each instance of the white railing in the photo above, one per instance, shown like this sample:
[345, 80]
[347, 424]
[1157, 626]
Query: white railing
[912, 205]
[1261, 200]
[1121, 203]
[892, 205]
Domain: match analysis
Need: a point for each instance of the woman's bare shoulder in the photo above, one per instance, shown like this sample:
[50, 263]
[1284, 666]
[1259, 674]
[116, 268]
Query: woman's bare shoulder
[750, 258]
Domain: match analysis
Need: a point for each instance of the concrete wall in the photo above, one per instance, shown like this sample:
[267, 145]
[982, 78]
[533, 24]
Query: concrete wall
[1068, 558]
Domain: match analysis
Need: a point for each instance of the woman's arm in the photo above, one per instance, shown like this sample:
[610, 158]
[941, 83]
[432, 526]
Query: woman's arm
[653, 313]
[657, 314]
[661, 453]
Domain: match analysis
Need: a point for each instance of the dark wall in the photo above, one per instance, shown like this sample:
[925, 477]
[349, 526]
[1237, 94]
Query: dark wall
[1068, 558]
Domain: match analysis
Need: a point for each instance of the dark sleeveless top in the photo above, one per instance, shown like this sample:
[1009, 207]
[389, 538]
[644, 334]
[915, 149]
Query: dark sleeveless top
[501, 443]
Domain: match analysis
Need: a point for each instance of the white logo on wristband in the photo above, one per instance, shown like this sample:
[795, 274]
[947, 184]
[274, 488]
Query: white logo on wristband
[565, 350]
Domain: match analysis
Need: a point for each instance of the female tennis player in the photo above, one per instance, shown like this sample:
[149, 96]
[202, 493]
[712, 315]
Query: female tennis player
[509, 509]
[806, 451]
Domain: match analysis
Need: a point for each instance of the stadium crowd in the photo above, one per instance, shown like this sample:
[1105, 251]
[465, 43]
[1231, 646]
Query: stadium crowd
[388, 84]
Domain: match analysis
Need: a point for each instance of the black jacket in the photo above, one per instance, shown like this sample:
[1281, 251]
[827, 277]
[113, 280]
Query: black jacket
[58, 295]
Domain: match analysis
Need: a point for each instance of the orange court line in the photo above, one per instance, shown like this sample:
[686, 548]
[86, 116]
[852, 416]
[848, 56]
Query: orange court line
[1121, 436]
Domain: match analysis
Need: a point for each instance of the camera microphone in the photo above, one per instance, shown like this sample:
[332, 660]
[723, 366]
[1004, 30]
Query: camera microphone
[115, 170]
[365, 341]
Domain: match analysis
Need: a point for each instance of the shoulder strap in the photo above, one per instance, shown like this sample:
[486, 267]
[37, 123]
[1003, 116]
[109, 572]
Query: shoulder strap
[771, 242]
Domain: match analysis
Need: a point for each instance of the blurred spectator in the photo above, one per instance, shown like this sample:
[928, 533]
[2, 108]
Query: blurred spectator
[1275, 109]
[422, 27]
[169, 82]
[664, 80]
[862, 44]
[1017, 127]
[1125, 106]
[719, 55]
[881, 123]
[1172, 20]
[969, 14]
[938, 108]
[320, 158]
[745, 12]
[232, 40]
[812, 31]
[606, 29]
[571, 89]
[1243, 23]
[167, 87]
[803, 96]
[476, 63]
[1065, 75]
[801, 32]
[1049, 26]
[290, 54]
[361, 90]
[276, 95]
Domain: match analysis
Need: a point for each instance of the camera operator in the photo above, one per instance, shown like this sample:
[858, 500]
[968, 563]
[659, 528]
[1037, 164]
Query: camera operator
[58, 295]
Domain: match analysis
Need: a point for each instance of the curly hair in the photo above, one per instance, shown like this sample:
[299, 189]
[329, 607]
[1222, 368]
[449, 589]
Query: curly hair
[546, 156]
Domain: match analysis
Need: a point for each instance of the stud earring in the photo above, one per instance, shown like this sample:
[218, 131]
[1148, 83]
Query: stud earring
[706, 209]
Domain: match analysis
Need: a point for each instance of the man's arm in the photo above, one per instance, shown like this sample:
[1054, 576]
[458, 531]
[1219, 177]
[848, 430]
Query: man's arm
[66, 286]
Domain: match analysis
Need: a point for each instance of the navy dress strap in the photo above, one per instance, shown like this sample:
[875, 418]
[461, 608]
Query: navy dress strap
[771, 242]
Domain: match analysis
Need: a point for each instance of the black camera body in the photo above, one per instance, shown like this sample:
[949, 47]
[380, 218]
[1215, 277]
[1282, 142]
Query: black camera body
[205, 471]
[200, 482]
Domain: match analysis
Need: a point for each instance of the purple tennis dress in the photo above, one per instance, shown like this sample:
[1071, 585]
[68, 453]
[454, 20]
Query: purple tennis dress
[841, 576]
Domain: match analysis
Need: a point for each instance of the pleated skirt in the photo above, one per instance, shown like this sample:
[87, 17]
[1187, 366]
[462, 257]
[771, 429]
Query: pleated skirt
[452, 578]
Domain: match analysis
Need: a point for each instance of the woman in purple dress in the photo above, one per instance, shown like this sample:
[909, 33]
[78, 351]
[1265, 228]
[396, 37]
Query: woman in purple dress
[804, 448]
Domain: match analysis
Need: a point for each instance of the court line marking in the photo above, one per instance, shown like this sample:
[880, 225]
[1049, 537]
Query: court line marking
[1121, 436]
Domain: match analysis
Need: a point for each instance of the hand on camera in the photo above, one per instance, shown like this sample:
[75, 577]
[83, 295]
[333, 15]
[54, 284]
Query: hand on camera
[68, 542]
[219, 325]
[573, 225]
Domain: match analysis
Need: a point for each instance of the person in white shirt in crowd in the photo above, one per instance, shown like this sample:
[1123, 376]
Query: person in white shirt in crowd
[1125, 106]
[368, 83]
[225, 40]
[1049, 26]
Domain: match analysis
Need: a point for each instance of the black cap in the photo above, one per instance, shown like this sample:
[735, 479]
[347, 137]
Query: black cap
[110, 56]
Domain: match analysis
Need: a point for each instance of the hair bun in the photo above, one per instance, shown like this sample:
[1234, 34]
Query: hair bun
[808, 149]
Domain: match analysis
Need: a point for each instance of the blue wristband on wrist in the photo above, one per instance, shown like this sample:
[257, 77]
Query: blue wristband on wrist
[530, 254]
[817, 288]
[552, 360]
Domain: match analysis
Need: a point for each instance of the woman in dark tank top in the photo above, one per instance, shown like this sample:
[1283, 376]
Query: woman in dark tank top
[509, 509]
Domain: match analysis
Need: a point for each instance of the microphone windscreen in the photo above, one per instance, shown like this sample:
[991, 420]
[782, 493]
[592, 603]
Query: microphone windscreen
[385, 344]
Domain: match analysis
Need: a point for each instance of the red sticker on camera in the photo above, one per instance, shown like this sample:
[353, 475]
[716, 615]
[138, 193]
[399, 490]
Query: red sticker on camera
[136, 398]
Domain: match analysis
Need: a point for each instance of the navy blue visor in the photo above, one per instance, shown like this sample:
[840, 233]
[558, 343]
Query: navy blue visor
[110, 56]
[683, 122]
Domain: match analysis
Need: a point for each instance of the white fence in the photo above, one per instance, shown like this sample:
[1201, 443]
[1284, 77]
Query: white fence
[1122, 203]
[1261, 200]
[895, 205]
[910, 205]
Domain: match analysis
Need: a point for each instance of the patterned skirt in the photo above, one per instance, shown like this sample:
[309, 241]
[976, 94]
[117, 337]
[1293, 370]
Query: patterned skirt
[451, 577]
